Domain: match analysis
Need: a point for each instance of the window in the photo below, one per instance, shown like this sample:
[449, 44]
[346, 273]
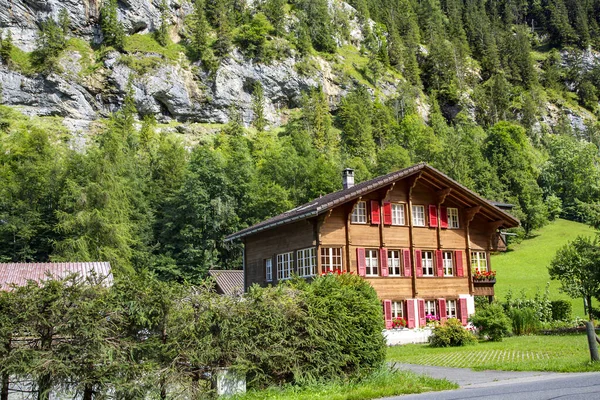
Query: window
[284, 266]
[307, 262]
[418, 215]
[359, 214]
[478, 261]
[398, 214]
[397, 309]
[453, 218]
[268, 269]
[447, 261]
[427, 263]
[430, 307]
[331, 258]
[394, 262]
[451, 308]
[372, 263]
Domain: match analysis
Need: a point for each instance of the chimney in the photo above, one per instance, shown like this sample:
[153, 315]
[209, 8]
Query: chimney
[348, 178]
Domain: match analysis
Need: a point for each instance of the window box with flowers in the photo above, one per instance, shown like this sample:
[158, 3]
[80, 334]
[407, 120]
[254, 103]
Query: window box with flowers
[484, 276]
[399, 323]
[432, 320]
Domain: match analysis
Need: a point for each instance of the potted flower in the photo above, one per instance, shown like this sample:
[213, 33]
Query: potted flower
[432, 320]
[398, 323]
[484, 276]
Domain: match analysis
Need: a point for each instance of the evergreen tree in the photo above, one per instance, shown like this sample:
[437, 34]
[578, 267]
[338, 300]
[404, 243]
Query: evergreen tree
[64, 21]
[6, 48]
[355, 115]
[162, 33]
[316, 120]
[51, 41]
[258, 107]
[274, 10]
[318, 21]
[112, 29]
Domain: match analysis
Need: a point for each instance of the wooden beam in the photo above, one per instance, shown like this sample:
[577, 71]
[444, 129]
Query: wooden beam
[411, 183]
[492, 227]
[470, 213]
[442, 194]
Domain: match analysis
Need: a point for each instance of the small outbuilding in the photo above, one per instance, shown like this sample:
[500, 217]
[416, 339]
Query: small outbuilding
[18, 274]
[228, 282]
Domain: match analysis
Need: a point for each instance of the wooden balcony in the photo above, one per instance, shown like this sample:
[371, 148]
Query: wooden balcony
[484, 288]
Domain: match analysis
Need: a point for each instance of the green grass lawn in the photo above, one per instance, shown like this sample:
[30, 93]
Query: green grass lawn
[568, 353]
[525, 267]
[382, 384]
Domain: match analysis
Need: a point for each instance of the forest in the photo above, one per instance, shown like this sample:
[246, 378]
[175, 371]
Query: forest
[485, 73]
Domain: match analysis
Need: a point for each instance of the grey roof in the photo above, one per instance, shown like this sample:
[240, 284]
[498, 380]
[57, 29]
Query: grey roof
[19, 274]
[324, 203]
[230, 282]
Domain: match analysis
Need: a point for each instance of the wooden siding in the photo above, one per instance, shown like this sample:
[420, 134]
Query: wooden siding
[392, 288]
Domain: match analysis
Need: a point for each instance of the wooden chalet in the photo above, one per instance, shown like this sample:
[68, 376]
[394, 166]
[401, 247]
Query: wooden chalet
[416, 235]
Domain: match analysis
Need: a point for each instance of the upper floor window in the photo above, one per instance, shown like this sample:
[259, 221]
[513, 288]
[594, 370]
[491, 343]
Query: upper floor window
[451, 308]
[398, 214]
[447, 262]
[430, 308]
[418, 215]
[331, 258]
[427, 263]
[453, 218]
[307, 262]
[397, 309]
[284, 265]
[372, 262]
[268, 269]
[478, 261]
[359, 214]
[394, 262]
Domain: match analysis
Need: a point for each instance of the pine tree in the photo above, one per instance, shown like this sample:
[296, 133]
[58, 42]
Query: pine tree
[274, 10]
[162, 33]
[223, 43]
[51, 41]
[6, 48]
[64, 21]
[112, 29]
[258, 107]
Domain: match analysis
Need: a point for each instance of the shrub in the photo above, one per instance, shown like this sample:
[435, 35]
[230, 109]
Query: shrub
[492, 322]
[451, 334]
[524, 321]
[561, 310]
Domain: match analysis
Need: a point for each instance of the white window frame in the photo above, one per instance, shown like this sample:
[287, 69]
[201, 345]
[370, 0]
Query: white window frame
[479, 261]
[451, 309]
[397, 309]
[359, 213]
[427, 262]
[453, 220]
[418, 215]
[285, 262]
[372, 262]
[398, 216]
[269, 269]
[448, 262]
[330, 257]
[307, 262]
[429, 307]
[394, 262]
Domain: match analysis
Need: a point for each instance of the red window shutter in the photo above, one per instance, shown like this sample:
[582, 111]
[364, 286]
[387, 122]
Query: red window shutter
[464, 316]
[375, 213]
[362, 262]
[419, 262]
[443, 217]
[442, 307]
[410, 314]
[433, 219]
[439, 263]
[406, 262]
[387, 312]
[458, 256]
[387, 213]
[422, 319]
[383, 256]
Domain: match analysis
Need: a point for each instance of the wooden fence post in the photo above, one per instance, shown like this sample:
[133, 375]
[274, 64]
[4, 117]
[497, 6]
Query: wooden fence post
[591, 335]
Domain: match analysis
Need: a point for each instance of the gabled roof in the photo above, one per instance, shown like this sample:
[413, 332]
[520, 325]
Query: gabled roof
[325, 203]
[19, 274]
[229, 282]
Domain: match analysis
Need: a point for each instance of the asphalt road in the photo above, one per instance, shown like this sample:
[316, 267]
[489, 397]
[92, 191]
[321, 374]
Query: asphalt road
[506, 385]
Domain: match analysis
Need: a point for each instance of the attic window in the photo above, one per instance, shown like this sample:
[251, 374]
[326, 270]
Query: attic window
[359, 214]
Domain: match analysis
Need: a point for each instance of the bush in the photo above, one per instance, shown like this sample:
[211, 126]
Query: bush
[524, 321]
[451, 334]
[561, 310]
[492, 322]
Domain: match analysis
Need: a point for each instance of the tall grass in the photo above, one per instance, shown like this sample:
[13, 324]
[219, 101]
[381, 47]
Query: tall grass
[524, 321]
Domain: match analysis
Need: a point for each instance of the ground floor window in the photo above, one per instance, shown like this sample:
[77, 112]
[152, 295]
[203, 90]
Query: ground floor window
[331, 259]
[284, 265]
[268, 269]
[451, 308]
[397, 309]
[307, 262]
[430, 308]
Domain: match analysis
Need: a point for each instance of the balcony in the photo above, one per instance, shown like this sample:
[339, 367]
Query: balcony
[483, 283]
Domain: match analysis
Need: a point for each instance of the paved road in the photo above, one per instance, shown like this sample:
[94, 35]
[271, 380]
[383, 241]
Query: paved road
[507, 385]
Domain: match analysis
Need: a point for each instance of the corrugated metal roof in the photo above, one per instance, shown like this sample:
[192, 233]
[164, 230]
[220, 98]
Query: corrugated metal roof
[20, 273]
[231, 282]
[324, 203]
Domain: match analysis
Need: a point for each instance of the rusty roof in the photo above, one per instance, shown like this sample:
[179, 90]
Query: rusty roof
[19, 274]
[324, 203]
[231, 282]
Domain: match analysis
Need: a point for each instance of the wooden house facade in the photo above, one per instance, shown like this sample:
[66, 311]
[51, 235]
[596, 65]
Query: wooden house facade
[416, 235]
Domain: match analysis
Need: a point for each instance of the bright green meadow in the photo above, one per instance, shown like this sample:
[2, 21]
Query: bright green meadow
[525, 266]
[568, 353]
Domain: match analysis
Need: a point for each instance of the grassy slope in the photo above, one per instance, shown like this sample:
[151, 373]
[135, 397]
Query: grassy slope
[567, 353]
[525, 266]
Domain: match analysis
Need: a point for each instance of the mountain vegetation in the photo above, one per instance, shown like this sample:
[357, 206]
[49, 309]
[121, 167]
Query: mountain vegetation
[501, 96]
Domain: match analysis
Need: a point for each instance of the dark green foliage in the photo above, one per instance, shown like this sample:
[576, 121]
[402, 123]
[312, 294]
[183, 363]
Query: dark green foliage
[258, 107]
[112, 29]
[524, 321]
[252, 38]
[162, 33]
[561, 310]
[51, 41]
[492, 322]
[6, 47]
[318, 22]
[451, 334]
[355, 121]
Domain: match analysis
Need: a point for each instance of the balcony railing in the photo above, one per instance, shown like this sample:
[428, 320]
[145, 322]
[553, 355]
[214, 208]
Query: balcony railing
[483, 283]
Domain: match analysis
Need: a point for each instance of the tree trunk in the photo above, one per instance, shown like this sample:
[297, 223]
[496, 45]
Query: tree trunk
[44, 387]
[88, 392]
[4, 388]
[589, 308]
